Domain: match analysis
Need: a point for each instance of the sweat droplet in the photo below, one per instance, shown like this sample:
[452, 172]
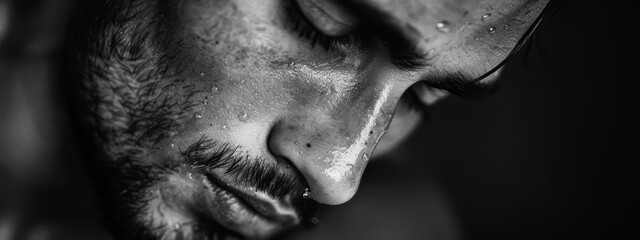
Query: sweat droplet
[243, 116]
[201, 74]
[306, 194]
[225, 127]
[215, 89]
[506, 26]
[486, 16]
[443, 26]
[365, 157]
[198, 115]
[492, 30]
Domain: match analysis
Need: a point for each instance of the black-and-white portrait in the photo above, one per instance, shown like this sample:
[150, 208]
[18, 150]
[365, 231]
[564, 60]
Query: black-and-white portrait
[314, 119]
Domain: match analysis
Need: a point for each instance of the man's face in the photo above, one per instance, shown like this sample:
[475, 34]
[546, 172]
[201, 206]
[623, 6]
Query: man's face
[213, 117]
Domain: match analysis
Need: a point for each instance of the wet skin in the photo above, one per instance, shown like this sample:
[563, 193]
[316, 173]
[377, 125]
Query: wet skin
[307, 89]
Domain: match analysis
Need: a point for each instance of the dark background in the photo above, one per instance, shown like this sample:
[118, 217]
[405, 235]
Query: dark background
[546, 156]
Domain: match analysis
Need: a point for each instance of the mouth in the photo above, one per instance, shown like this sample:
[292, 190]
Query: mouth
[247, 211]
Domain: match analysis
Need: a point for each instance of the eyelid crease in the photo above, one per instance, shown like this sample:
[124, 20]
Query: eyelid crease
[462, 87]
[329, 17]
[305, 29]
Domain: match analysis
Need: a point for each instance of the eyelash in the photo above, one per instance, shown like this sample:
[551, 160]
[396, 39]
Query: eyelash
[304, 29]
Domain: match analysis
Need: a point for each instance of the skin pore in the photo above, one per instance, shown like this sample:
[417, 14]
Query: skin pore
[210, 118]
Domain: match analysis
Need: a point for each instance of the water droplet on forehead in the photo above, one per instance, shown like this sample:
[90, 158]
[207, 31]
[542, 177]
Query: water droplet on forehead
[243, 116]
[443, 26]
[492, 30]
[486, 16]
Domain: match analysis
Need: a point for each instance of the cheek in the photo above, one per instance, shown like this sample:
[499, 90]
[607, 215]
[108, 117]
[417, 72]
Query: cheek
[246, 71]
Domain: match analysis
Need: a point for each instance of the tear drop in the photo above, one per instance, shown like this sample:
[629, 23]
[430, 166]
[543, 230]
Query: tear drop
[443, 26]
[486, 16]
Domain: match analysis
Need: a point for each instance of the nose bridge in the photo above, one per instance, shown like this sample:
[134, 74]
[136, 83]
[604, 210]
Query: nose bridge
[330, 144]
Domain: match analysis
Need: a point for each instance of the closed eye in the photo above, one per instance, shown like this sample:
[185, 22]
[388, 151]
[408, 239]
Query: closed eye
[303, 26]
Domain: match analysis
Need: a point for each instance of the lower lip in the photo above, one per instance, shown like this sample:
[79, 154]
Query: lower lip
[231, 212]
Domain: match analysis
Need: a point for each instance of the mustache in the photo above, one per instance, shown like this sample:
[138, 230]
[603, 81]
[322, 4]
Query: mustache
[206, 155]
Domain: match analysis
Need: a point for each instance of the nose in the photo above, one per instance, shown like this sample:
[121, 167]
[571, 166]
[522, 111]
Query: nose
[331, 145]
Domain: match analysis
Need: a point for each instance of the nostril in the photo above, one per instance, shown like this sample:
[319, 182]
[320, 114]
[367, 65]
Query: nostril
[278, 149]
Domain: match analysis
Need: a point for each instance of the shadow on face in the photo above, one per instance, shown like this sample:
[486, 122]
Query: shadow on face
[234, 118]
